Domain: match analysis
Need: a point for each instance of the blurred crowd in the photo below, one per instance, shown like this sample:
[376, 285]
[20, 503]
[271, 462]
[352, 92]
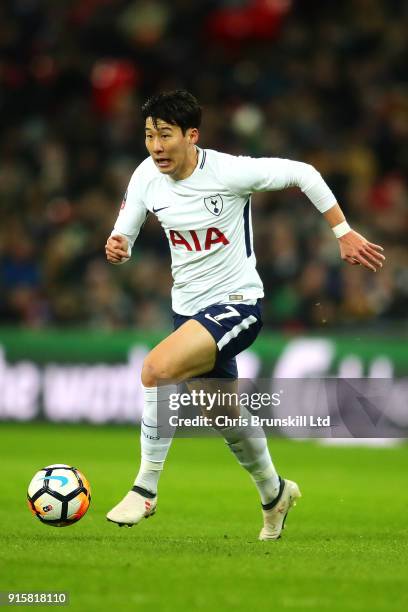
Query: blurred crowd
[320, 82]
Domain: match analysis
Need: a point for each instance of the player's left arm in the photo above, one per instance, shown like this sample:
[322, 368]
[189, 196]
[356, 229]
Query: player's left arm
[354, 248]
[244, 175]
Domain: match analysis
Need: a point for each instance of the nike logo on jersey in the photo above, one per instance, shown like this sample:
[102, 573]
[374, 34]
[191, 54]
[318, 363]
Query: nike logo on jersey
[156, 210]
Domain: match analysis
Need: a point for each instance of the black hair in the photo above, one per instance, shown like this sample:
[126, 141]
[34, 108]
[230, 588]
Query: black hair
[177, 107]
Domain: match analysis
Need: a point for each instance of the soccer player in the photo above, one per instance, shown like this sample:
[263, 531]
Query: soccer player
[202, 198]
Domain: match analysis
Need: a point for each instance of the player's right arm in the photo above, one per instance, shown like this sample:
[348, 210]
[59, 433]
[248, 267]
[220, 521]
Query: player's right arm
[132, 215]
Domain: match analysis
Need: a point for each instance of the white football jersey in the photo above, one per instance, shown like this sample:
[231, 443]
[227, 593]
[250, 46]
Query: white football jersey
[207, 221]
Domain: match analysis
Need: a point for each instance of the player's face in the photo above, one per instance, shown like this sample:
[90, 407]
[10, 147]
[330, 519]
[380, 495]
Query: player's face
[172, 151]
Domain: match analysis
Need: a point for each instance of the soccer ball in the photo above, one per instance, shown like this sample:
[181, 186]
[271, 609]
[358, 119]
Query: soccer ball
[59, 495]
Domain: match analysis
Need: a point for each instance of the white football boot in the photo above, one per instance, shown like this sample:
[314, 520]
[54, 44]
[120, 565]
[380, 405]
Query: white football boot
[275, 516]
[132, 509]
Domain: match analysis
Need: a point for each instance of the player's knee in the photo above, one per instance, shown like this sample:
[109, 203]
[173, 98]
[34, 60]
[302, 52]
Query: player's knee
[155, 370]
[149, 374]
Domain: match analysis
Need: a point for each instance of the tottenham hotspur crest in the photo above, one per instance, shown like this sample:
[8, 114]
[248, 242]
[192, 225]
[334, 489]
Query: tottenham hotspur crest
[214, 204]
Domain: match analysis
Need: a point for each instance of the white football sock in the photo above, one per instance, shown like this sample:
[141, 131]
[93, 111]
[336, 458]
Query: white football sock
[253, 454]
[154, 448]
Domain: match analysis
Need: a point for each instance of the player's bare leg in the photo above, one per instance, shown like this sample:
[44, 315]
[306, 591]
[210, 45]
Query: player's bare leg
[189, 351]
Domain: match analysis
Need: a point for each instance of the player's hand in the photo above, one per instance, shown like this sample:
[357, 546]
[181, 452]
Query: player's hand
[116, 249]
[356, 250]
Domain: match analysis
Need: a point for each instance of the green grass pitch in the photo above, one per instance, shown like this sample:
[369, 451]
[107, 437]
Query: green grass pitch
[344, 548]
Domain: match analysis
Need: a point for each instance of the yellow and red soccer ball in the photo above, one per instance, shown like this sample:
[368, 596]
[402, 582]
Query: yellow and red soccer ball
[59, 495]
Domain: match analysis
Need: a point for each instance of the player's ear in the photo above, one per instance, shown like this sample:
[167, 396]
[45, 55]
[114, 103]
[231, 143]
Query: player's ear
[193, 135]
